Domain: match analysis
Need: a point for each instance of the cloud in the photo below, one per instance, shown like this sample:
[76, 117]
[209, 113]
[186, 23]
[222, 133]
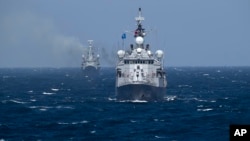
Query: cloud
[29, 40]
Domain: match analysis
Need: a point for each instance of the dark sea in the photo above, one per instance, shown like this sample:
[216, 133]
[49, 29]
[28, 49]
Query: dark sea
[43, 104]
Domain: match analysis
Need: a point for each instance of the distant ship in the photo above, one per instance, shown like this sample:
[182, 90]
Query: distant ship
[90, 61]
[140, 74]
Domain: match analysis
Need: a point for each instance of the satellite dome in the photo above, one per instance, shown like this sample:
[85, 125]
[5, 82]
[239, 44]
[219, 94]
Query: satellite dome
[121, 53]
[159, 53]
[139, 50]
[139, 40]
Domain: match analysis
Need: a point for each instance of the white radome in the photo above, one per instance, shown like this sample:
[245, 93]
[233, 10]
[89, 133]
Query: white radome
[120, 53]
[139, 40]
[159, 53]
[139, 50]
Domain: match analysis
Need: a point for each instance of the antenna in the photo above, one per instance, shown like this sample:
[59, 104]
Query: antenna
[90, 42]
[139, 19]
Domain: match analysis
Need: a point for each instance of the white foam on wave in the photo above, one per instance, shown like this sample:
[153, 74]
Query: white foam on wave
[33, 100]
[134, 101]
[31, 91]
[54, 89]
[200, 100]
[64, 107]
[16, 101]
[46, 93]
[74, 122]
[170, 97]
[42, 109]
[205, 110]
[159, 137]
[180, 86]
[93, 132]
[133, 121]
[112, 99]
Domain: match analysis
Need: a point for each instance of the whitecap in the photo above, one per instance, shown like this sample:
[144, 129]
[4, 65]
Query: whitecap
[64, 123]
[213, 101]
[205, 74]
[134, 101]
[31, 91]
[64, 107]
[92, 132]
[205, 110]
[111, 99]
[54, 89]
[200, 100]
[133, 121]
[159, 137]
[139, 101]
[156, 119]
[180, 86]
[33, 100]
[46, 93]
[170, 98]
[42, 109]
[19, 102]
[84, 121]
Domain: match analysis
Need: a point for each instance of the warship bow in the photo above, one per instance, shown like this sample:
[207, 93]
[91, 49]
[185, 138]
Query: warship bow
[140, 74]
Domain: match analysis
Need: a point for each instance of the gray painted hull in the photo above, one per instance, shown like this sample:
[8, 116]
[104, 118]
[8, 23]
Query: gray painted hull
[140, 92]
[91, 71]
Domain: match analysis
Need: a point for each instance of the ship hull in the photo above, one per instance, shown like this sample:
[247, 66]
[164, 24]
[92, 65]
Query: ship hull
[140, 92]
[91, 71]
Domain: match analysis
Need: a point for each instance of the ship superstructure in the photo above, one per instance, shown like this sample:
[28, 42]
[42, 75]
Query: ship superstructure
[140, 74]
[90, 60]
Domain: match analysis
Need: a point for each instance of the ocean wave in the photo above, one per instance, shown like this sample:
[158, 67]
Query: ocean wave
[16, 101]
[73, 123]
[46, 93]
[134, 101]
[50, 107]
[205, 110]
[200, 100]
[112, 99]
[159, 137]
[170, 97]
[54, 89]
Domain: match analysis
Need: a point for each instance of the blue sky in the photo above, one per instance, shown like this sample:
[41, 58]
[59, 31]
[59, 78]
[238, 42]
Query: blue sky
[54, 33]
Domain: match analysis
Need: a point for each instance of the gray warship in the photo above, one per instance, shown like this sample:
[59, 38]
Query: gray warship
[90, 61]
[140, 74]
